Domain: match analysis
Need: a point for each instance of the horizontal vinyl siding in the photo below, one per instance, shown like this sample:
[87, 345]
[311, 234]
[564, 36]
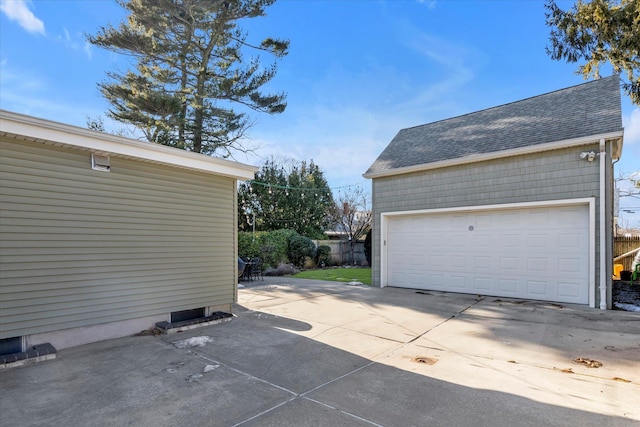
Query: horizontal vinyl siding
[82, 247]
[549, 175]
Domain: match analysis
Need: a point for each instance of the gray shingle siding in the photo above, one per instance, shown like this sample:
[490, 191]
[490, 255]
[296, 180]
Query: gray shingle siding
[550, 175]
[588, 109]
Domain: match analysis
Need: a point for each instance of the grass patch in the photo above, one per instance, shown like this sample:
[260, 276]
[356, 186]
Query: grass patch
[339, 274]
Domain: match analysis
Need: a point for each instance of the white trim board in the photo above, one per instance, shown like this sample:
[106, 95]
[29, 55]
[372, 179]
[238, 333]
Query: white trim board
[18, 126]
[529, 149]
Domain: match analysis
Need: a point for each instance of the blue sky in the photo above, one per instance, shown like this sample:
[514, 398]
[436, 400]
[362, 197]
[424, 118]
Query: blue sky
[357, 72]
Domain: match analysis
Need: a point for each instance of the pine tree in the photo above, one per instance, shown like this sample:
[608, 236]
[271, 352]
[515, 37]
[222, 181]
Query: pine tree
[190, 72]
[596, 32]
[286, 194]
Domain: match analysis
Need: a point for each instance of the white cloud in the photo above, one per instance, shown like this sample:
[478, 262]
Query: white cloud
[17, 10]
[632, 127]
[431, 4]
[346, 119]
[343, 140]
[26, 91]
[87, 50]
[72, 43]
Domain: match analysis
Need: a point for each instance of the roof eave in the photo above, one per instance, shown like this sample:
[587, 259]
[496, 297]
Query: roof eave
[60, 134]
[616, 137]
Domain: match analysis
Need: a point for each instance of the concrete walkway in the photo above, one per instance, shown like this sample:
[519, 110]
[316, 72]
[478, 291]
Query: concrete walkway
[304, 352]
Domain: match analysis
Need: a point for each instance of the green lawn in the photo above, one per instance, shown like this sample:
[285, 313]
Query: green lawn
[339, 274]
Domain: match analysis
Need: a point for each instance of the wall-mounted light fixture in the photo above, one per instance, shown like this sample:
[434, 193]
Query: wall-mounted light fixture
[100, 162]
[588, 155]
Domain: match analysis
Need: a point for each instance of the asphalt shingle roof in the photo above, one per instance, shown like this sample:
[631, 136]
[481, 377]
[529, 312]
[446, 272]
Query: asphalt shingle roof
[590, 108]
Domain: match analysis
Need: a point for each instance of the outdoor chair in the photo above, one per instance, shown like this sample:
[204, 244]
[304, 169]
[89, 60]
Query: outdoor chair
[256, 268]
[247, 273]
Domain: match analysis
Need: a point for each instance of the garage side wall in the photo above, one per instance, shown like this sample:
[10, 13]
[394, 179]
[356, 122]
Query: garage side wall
[550, 175]
[81, 247]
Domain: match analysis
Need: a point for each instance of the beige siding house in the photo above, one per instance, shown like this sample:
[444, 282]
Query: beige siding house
[103, 236]
[511, 201]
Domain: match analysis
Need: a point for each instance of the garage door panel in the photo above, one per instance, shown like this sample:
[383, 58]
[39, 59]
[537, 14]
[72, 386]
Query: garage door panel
[507, 287]
[458, 282]
[482, 240]
[539, 241]
[437, 281]
[437, 261]
[569, 290]
[536, 253]
[482, 284]
[509, 240]
[572, 266]
[571, 241]
[458, 241]
[538, 289]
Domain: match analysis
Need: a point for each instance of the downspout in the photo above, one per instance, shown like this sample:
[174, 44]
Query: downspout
[603, 240]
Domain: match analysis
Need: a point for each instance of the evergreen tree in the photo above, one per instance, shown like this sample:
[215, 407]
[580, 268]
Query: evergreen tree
[595, 32]
[190, 72]
[286, 195]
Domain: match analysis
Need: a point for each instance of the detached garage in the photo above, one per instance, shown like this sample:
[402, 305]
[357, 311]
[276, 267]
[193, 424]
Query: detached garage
[103, 236]
[505, 201]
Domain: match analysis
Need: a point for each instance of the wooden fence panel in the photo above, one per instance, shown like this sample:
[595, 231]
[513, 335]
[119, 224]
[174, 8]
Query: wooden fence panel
[622, 245]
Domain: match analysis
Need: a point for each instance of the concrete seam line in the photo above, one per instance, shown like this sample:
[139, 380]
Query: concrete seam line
[372, 311]
[337, 378]
[295, 396]
[404, 345]
[265, 412]
[447, 319]
[342, 411]
[244, 373]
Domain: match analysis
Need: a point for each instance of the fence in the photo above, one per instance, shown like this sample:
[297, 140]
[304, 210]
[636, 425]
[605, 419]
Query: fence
[622, 245]
[341, 253]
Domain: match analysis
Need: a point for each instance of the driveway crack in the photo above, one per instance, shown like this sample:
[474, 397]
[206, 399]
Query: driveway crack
[477, 301]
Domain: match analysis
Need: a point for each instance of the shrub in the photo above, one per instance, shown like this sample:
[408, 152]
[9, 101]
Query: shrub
[247, 248]
[274, 246]
[300, 248]
[367, 246]
[271, 246]
[323, 256]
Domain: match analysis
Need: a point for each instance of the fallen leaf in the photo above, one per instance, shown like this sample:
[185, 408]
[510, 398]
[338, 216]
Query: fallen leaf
[588, 362]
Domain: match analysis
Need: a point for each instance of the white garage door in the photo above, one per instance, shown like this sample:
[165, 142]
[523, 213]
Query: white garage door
[537, 253]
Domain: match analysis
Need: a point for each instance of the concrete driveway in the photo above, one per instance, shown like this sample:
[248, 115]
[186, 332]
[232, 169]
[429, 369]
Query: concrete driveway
[316, 353]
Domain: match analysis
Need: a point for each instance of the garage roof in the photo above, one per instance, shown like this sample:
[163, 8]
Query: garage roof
[573, 116]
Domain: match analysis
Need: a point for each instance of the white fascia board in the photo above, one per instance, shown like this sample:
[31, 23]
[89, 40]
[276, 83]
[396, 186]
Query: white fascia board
[530, 149]
[32, 128]
[502, 206]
